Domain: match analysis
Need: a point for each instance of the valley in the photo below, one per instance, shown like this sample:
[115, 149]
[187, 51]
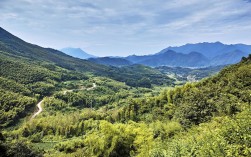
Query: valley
[40, 109]
[52, 104]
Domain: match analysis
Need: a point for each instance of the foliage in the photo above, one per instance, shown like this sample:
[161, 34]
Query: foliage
[207, 118]
[183, 74]
[17, 149]
[13, 106]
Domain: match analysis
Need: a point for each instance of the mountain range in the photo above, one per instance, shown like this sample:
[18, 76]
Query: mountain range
[171, 58]
[77, 52]
[210, 50]
[195, 55]
[189, 55]
[27, 59]
[114, 117]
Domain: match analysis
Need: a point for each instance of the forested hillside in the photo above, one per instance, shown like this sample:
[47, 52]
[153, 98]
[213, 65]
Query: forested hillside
[189, 100]
[94, 110]
[189, 74]
[16, 49]
[208, 118]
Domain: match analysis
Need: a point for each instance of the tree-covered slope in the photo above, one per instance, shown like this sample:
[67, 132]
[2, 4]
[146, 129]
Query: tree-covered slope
[23, 82]
[190, 74]
[224, 94]
[16, 47]
[31, 72]
[208, 118]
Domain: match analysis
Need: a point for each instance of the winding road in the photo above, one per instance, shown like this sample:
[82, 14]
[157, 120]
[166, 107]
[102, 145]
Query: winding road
[40, 109]
[82, 88]
[93, 86]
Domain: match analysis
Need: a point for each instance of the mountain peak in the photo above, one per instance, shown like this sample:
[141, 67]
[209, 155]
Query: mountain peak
[218, 42]
[77, 52]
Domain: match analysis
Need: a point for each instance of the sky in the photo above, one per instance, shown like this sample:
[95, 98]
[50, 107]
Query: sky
[125, 27]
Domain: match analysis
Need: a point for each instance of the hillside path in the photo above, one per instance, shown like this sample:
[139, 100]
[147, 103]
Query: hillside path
[83, 88]
[93, 86]
[40, 109]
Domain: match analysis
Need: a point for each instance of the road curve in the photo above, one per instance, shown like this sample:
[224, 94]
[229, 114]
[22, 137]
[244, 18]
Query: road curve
[93, 86]
[71, 90]
[39, 109]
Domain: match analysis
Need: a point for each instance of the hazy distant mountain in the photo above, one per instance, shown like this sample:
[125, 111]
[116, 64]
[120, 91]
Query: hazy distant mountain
[111, 61]
[137, 59]
[77, 52]
[189, 55]
[195, 55]
[210, 50]
[228, 58]
[172, 58]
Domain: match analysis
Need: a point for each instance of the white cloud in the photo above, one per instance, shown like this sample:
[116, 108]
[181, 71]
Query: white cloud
[111, 25]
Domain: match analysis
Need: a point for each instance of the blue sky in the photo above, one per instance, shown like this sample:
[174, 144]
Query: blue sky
[123, 27]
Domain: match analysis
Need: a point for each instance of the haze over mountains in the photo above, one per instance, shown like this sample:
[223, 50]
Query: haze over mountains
[130, 111]
[171, 58]
[19, 56]
[77, 52]
[137, 78]
[189, 55]
[113, 61]
[210, 50]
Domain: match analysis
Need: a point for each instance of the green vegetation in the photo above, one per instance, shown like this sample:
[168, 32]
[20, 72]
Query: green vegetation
[118, 112]
[24, 56]
[208, 118]
[28, 73]
[13, 106]
[183, 75]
